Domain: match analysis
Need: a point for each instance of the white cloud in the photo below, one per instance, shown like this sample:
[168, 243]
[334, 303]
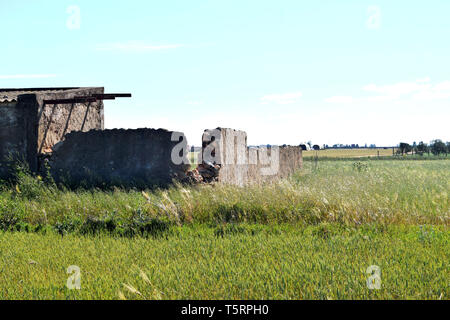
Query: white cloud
[438, 91]
[421, 89]
[285, 98]
[398, 89]
[339, 99]
[27, 76]
[135, 46]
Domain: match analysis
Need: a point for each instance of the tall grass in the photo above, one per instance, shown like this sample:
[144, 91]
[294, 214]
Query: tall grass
[351, 193]
[308, 237]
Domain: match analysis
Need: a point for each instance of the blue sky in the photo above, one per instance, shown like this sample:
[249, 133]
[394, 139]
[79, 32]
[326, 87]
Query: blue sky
[284, 71]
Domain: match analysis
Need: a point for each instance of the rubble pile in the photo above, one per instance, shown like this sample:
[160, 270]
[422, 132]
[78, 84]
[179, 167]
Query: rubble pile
[205, 173]
[193, 177]
[209, 171]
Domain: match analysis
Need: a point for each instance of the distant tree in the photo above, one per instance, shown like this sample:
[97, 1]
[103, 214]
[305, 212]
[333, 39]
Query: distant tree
[404, 147]
[422, 148]
[303, 147]
[438, 147]
[448, 147]
[414, 147]
[309, 143]
[316, 147]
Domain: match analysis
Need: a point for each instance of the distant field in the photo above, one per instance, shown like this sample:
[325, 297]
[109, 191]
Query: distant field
[193, 156]
[349, 153]
[331, 153]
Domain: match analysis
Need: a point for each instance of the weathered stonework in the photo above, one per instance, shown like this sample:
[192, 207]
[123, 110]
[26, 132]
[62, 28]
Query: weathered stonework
[228, 148]
[28, 127]
[72, 139]
[240, 164]
[136, 158]
[13, 140]
[55, 121]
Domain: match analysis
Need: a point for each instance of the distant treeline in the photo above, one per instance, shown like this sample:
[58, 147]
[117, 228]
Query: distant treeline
[436, 147]
[310, 146]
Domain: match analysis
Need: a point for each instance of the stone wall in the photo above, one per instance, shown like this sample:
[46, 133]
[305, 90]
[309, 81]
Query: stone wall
[228, 148]
[135, 158]
[71, 137]
[12, 136]
[28, 127]
[55, 121]
[274, 162]
[241, 164]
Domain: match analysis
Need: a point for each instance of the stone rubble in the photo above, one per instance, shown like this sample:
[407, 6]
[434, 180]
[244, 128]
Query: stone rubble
[206, 172]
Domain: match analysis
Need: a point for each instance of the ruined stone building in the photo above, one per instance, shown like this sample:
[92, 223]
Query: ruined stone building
[64, 128]
[32, 121]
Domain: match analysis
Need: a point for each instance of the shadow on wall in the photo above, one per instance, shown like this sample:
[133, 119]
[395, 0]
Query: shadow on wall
[130, 158]
[33, 120]
[156, 158]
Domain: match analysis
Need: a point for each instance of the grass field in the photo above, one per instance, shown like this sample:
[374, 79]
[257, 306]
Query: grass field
[340, 154]
[309, 237]
[331, 153]
[284, 262]
[349, 153]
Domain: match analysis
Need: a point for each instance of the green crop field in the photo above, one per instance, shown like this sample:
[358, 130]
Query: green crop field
[312, 236]
[332, 153]
[350, 153]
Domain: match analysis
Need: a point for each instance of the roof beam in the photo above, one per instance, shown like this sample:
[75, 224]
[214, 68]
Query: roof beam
[71, 100]
[92, 98]
[111, 96]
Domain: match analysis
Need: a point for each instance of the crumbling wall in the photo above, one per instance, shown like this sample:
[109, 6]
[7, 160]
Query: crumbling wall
[268, 163]
[28, 127]
[228, 148]
[56, 120]
[240, 164]
[17, 124]
[291, 159]
[71, 138]
[138, 158]
[11, 135]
